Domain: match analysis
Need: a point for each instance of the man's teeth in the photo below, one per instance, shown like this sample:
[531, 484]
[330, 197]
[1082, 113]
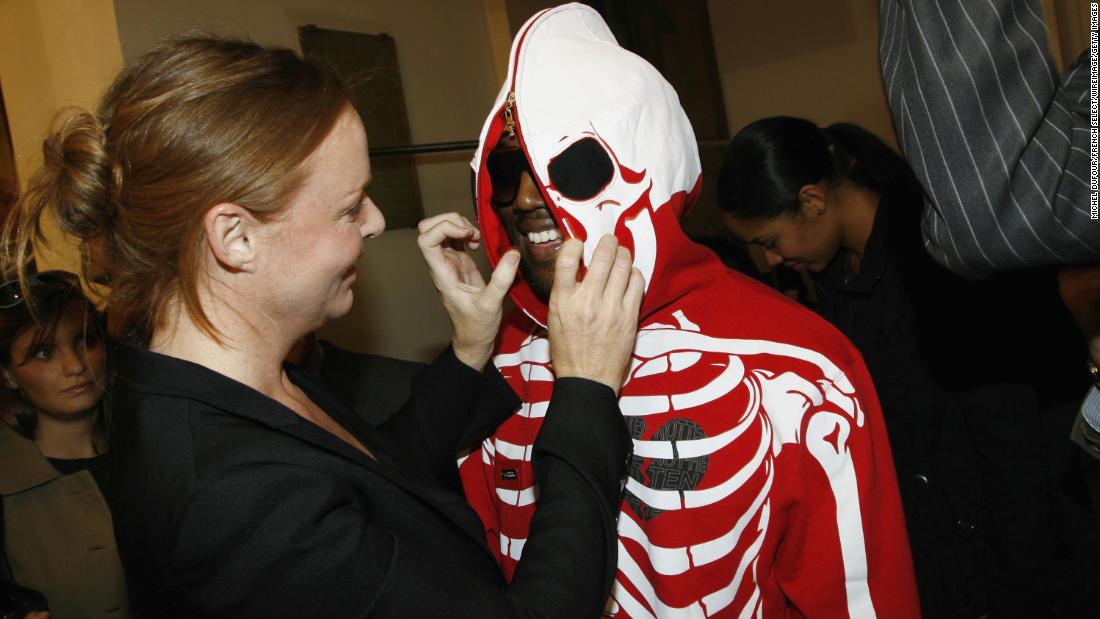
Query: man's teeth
[543, 237]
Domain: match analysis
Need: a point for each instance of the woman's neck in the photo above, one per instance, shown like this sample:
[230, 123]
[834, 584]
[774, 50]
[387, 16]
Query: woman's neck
[68, 438]
[860, 208]
[248, 354]
[245, 354]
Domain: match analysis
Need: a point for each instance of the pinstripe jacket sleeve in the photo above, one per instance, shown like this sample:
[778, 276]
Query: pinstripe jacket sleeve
[998, 139]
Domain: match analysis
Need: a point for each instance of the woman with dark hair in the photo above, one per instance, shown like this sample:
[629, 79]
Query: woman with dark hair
[953, 370]
[807, 195]
[57, 537]
[228, 183]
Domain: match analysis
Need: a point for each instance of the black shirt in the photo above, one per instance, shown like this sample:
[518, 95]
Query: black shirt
[957, 366]
[96, 465]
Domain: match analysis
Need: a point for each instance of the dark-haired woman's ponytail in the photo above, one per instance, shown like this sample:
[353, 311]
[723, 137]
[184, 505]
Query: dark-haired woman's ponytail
[866, 160]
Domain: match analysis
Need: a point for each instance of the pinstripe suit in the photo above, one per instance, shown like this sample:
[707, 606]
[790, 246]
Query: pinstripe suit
[1086, 428]
[998, 139]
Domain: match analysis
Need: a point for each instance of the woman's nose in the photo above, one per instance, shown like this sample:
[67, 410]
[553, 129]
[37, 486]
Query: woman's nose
[374, 222]
[528, 196]
[72, 361]
[772, 258]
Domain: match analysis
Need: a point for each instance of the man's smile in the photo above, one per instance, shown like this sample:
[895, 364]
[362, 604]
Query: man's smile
[539, 234]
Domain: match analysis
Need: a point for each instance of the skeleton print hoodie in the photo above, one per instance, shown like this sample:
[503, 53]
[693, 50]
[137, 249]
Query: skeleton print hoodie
[761, 483]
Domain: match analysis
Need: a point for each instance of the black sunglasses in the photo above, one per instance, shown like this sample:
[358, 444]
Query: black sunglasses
[11, 293]
[578, 173]
[505, 167]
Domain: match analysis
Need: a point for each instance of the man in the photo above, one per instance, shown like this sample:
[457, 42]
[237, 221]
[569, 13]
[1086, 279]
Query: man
[1002, 145]
[761, 479]
[999, 140]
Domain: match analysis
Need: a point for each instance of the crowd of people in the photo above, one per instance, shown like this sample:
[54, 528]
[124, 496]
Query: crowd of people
[646, 433]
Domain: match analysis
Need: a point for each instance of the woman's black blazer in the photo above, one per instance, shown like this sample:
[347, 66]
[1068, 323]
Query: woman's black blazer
[226, 503]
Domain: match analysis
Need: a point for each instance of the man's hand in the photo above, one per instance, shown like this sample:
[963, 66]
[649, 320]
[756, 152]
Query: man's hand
[473, 307]
[592, 323]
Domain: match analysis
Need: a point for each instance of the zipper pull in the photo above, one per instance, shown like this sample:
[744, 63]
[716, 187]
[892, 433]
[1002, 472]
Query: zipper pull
[509, 121]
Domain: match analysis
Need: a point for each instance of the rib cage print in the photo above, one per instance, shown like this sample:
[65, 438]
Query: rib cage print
[710, 418]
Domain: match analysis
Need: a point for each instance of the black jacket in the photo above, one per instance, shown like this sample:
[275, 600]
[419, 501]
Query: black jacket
[962, 373]
[373, 386]
[229, 504]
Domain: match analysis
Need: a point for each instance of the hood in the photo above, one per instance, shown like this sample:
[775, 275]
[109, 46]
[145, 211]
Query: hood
[570, 82]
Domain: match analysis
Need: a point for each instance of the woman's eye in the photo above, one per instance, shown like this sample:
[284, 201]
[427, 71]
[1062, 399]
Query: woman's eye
[353, 212]
[42, 353]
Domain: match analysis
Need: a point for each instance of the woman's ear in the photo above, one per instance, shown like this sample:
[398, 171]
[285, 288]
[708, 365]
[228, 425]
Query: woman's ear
[230, 234]
[811, 199]
[9, 379]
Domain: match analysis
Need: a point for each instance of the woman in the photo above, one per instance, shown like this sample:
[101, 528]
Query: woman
[57, 528]
[953, 369]
[229, 185]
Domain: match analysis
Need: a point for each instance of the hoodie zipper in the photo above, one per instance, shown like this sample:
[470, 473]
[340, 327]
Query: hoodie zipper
[509, 120]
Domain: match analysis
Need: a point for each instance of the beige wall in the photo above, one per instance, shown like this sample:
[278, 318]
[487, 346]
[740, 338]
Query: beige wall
[817, 60]
[447, 70]
[1068, 29]
[53, 54]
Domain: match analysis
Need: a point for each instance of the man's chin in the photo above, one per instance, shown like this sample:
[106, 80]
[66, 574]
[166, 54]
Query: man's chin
[540, 277]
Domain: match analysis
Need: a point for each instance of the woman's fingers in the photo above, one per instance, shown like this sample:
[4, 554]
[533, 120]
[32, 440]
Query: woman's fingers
[443, 230]
[592, 324]
[635, 291]
[595, 280]
[502, 278]
[442, 233]
[473, 306]
[449, 230]
[566, 266]
[619, 277]
[454, 218]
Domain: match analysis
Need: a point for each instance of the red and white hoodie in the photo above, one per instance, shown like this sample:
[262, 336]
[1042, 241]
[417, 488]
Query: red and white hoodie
[761, 483]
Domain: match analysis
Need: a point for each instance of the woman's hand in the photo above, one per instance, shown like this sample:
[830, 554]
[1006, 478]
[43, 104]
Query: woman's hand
[473, 307]
[593, 323]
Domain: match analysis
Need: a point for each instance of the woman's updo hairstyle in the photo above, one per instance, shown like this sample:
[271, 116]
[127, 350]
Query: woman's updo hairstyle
[771, 159]
[196, 122]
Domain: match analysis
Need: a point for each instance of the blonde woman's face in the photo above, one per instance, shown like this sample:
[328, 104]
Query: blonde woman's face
[62, 377]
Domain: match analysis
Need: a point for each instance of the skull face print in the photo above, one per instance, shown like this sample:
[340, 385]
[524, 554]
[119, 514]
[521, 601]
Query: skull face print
[596, 194]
